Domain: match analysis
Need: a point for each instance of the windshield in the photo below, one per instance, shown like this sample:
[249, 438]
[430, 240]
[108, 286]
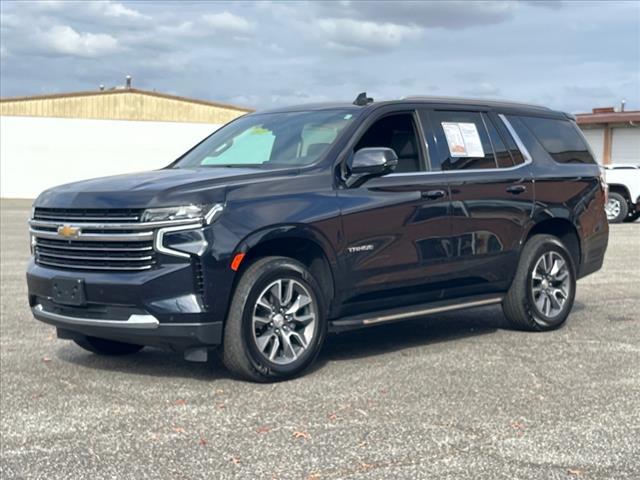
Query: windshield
[270, 140]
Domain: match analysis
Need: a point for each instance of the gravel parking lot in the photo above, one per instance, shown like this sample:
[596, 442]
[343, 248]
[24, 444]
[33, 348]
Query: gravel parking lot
[452, 396]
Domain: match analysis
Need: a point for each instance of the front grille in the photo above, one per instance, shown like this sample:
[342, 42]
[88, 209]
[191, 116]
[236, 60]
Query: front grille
[100, 239]
[102, 256]
[108, 239]
[102, 215]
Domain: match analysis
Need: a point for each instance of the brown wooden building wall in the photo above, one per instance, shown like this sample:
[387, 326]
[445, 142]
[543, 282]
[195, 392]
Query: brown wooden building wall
[126, 104]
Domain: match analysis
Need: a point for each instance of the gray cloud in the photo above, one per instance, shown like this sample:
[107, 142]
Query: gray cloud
[451, 14]
[268, 54]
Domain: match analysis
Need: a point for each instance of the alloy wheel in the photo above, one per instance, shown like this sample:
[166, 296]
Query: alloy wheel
[284, 321]
[551, 284]
[612, 208]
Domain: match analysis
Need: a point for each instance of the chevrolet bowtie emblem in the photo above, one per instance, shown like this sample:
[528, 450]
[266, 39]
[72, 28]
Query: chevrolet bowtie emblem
[68, 231]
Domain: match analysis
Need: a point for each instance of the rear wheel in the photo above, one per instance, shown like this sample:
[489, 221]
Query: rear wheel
[102, 346]
[633, 217]
[276, 326]
[616, 208]
[543, 290]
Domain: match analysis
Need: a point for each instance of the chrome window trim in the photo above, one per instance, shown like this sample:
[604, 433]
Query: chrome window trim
[159, 241]
[525, 153]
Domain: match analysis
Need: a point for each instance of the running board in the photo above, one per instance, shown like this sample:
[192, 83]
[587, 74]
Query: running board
[413, 311]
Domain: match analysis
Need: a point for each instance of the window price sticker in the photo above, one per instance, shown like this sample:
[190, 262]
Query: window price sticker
[463, 139]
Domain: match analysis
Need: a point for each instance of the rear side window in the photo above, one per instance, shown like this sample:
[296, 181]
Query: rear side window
[462, 141]
[510, 142]
[503, 156]
[560, 139]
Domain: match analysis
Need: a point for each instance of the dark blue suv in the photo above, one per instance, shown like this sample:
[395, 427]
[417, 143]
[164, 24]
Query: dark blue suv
[285, 225]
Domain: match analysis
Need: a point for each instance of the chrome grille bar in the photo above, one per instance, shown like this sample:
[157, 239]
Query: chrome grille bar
[91, 267]
[112, 226]
[96, 237]
[95, 249]
[42, 253]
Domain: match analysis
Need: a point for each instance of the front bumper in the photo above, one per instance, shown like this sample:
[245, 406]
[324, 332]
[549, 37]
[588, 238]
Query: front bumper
[157, 307]
[138, 329]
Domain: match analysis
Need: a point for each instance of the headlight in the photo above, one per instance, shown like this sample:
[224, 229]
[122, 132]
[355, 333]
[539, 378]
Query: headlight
[208, 214]
[171, 213]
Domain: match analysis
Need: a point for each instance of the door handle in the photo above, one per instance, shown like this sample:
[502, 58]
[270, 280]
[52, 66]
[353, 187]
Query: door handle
[516, 189]
[433, 194]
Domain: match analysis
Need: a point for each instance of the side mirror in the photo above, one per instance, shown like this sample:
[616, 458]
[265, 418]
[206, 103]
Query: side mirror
[370, 162]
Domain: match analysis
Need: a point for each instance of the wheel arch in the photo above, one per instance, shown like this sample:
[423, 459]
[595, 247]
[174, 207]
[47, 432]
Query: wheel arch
[563, 229]
[299, 242]
[622, 190]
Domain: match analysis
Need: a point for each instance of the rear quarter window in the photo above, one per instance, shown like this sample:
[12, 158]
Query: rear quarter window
[560, 138]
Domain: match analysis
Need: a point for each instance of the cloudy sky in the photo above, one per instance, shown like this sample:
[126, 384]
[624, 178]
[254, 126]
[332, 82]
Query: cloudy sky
[570, 55]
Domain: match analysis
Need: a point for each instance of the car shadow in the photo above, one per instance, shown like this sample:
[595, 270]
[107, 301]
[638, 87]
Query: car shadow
[392, 337]
[366, 342]
[150, 361]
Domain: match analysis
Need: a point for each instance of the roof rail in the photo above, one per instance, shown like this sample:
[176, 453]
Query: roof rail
[478, 101]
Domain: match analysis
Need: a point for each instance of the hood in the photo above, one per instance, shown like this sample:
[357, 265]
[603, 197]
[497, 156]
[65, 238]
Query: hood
[157, 188]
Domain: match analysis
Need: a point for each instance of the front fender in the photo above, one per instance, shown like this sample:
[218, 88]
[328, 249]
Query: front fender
[289, 231]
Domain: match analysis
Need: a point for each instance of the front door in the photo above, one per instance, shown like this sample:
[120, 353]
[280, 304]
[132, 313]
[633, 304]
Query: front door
[396, 228]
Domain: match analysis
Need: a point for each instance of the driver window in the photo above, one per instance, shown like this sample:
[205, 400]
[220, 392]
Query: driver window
[396, 132]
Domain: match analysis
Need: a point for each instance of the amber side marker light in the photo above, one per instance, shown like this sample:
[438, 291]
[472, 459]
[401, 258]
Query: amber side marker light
[237, 260]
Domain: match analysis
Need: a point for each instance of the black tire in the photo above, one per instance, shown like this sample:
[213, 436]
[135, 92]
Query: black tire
[240, 353]
[519, 305]
[623, 211]
[633, 217]
[102, 346]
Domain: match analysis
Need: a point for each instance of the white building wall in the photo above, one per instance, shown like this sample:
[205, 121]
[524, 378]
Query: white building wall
[37, 153]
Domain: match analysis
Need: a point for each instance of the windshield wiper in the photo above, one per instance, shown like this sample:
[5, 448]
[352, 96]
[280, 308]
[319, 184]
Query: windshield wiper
[233, 165]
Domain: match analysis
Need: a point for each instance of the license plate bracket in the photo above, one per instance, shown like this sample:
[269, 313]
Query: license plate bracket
[68, 291]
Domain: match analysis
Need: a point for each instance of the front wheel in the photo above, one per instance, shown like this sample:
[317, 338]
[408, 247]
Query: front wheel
[276, 324]
[543, 290]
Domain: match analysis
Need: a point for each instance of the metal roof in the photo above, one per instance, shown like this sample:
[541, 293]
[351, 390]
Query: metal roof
[608, 117]
[120, 91]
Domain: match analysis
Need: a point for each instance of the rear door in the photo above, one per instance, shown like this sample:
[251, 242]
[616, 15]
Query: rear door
[492, 195]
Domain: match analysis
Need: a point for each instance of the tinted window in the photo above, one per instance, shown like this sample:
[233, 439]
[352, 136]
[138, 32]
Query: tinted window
[560, 139]
[462, 142]
[270, 140]
[516, 155]
[396, 132]
[503, 157]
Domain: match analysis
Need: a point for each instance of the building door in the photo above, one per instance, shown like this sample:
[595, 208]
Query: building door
[595, 138]
[625, 145]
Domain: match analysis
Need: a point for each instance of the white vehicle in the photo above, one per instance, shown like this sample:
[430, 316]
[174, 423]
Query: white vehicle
[624, 192]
